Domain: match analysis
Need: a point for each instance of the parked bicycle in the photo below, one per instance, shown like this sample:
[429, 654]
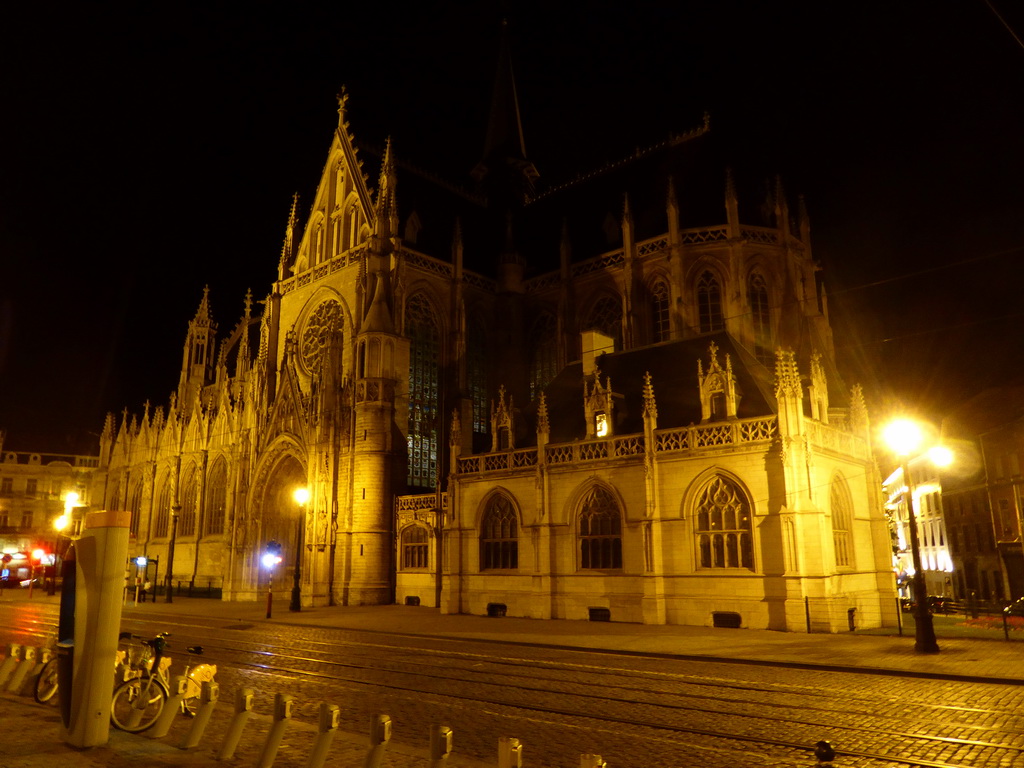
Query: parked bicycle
[139, 700]
[47, 681]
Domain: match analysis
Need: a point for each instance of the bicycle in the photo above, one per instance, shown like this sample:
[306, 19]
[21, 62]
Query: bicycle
[138, 701]
[47, 682]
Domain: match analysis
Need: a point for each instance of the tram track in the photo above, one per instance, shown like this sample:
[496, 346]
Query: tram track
[364, 669]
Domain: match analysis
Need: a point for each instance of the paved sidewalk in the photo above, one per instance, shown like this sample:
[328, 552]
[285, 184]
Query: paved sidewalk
[37, 743]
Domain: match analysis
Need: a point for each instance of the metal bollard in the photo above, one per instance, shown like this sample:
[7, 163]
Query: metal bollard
[13, 656]
[440, 745]
[208, 696]
[282, 714]
[592, 761]
[380, 735]
[171, 708]
[27, 664]
[330, 719]
[243, 708]
[28, 687]
[510, 753]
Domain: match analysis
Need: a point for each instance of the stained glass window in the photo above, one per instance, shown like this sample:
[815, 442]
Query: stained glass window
[424, 391]
[499, 535]
[761, 317]
[135, 507]
[163, 511]
[600, 531]
[841, 506]
[543, 348]
[606, 316]
[415, 547]
[476, 364]
[709, 304]
[188, 500]
[659, 311]
[216, 497]
[723, 526]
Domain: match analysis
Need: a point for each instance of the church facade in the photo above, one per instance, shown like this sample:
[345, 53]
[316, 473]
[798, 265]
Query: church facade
[653, 429]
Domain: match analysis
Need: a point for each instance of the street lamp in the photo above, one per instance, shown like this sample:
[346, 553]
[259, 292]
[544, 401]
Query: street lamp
[59, 526]
[175, 509]
[271, 557]
[904, 438]
[301, 497]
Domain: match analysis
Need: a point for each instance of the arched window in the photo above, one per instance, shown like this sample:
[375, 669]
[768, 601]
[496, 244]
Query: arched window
[424, 389]
[135, 507]
[476, 365]
[606, 316]
[543, 353]
[660, 330]
[415, 547]
[163, 511]
[499, 535]
[600, 531]
[188, 500]
[709, 304]
[216, 498]
[723, 526]
[760, 313]
[841, 507]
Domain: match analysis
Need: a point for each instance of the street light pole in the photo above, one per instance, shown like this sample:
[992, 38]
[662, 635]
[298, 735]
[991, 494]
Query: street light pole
[169, 597]
[924, 630]
[301, 496]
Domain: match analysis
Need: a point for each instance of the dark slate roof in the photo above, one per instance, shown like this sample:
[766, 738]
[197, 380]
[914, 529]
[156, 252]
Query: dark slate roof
[673, 369]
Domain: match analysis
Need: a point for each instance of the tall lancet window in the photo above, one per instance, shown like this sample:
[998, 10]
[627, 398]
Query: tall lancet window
[163, 510]
[543, 353]
[476, 364]
[135, 506]
[659, 311]
[606, 316]
[189, 503]
[216, 498]
[424, 390]
[709, 304]
[760, 314]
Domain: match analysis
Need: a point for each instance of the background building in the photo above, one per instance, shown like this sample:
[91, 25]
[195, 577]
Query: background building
[615, 397]
[34, 489]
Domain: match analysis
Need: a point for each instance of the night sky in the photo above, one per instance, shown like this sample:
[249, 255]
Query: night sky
[147, 152]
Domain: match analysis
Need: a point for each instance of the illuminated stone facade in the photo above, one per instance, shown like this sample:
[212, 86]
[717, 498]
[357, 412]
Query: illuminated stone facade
[651, 430]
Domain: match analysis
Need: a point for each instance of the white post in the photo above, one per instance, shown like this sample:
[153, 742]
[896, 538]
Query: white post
[330, 719]
[380, 735]
[440, 745]
[243, 708]
[207, 701]
[282, 714]
[100, 553]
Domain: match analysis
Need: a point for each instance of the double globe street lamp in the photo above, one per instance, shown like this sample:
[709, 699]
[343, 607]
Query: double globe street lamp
[905, 439]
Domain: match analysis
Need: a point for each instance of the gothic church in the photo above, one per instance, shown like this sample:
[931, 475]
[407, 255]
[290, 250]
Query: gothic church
[614, 398]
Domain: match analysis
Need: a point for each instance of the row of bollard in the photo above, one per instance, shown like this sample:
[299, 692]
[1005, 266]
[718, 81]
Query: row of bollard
[21, 667]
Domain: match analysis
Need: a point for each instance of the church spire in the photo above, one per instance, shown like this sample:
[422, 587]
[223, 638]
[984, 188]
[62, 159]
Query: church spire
[387, 205]
[504, 154]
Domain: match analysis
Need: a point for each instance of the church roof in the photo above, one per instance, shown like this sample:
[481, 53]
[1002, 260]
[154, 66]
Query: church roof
[673, 370]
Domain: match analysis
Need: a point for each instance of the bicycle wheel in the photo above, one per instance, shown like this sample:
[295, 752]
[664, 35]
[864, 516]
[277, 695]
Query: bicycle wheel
[137, 703]
[46, 683]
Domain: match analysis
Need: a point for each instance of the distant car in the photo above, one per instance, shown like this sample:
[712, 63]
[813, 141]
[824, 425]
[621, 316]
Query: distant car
[907, 604]
[1015, 608]
[940, 604]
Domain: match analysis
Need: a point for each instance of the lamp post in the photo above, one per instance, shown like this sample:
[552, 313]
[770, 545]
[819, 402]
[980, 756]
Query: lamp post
[59, 526]
[904, 437]
[271, 557]
[301, 497]
[169, 597]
